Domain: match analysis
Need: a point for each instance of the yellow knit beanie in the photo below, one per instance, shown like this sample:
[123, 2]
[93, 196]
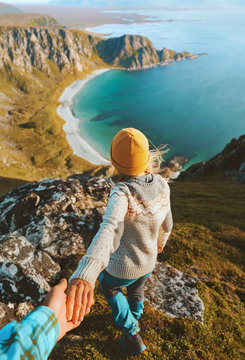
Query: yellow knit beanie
[130, 152]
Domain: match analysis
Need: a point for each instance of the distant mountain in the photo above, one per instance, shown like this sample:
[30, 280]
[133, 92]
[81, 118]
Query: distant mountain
[8, 9]
[143, 3]
[111, 3]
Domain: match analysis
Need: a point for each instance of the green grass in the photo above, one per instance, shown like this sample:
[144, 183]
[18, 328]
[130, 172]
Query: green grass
[207, 242]
[35, 126]
[42, 21]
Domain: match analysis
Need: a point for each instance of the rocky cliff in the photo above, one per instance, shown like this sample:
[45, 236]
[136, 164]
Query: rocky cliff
[231, 161]
[26, 48]
[136, 52]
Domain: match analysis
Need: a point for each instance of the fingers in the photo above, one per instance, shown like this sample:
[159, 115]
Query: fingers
[62, 284]
[84, 302]
[78, 305]
[71, 292]
[79, 300]
[90, 301]
[87, 301]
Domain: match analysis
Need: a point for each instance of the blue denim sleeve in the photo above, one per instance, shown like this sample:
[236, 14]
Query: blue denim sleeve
[32, 339]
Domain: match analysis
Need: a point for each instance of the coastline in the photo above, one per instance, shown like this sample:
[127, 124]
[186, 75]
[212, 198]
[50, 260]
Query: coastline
[79, 145]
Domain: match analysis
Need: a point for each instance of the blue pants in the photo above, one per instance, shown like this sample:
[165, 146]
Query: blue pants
[125, 312]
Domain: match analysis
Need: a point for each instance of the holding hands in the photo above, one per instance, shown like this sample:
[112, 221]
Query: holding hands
[80, 298]
[71, 304]
[56, 301]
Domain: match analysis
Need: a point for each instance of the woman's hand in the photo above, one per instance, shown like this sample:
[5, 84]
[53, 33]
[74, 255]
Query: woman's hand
[56, 300]
[80, 298]
[159, 249]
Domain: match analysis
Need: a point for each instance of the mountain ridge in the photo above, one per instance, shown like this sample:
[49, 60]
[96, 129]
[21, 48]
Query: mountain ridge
[29, 47]
[136, 52]
[9, 9]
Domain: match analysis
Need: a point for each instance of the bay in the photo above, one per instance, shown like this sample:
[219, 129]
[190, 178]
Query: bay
[195, 106]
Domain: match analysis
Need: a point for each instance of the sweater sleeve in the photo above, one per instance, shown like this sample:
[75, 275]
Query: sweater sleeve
[167, 225]
[33, 338]
[107, 239]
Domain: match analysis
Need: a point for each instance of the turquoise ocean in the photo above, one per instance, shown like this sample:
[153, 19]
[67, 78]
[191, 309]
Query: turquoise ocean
[194, 106]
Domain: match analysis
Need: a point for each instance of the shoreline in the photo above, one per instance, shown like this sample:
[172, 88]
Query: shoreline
[78, 144]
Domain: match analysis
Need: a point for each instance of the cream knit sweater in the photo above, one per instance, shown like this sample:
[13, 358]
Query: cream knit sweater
[126, 243]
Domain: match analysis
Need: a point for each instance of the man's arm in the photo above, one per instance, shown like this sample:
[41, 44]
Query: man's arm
[36, 335]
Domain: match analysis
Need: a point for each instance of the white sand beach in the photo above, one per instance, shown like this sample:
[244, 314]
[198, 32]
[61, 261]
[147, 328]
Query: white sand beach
[79, 146]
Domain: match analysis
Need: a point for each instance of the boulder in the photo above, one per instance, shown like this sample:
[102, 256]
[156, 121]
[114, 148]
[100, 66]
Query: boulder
[174, 293]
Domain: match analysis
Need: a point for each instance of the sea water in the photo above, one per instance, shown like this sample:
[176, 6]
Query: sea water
[194, 106]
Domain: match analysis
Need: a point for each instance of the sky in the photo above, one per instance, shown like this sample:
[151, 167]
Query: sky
[163, 2]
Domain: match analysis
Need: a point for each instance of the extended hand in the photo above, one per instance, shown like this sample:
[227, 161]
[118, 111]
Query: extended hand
[56, 301]
[80, 298]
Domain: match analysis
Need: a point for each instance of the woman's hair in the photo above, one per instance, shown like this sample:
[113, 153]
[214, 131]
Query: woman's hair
[156, 158]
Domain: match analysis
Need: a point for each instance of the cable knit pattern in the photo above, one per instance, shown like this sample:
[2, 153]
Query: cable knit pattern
[126, 243]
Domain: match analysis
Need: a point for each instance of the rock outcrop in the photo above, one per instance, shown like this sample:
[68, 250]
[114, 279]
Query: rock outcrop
[36, 47]
[174, 293]
[43, 224]
[135, 52]
[231, 160]
[26, 48]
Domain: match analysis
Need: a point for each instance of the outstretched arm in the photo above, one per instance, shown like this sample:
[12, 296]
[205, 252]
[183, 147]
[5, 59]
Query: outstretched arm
[36, 335]
[106, 242]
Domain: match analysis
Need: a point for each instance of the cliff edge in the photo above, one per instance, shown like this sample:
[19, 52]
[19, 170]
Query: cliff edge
[230, 161]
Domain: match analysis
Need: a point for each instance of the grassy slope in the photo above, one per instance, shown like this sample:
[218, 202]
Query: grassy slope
[33, 125]
[23, 19]
[207, 242]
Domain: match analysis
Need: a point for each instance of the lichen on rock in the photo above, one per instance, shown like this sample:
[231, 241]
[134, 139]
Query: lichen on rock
[174, 293]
